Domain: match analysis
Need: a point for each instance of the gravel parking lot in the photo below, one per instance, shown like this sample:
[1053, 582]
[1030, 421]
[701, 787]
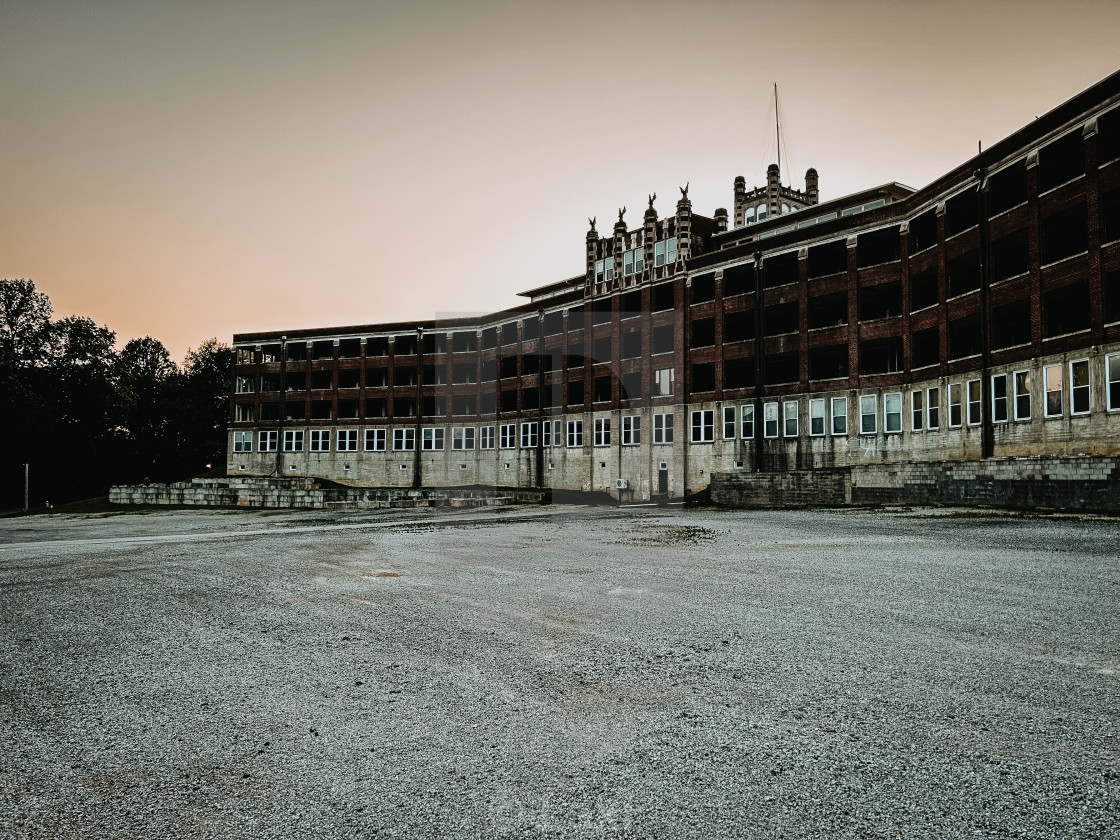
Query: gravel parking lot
[559, 672]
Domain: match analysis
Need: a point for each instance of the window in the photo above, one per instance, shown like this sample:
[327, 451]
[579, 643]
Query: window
[867, 414]
[746, 422]
[917, 410]
[1112, 374]
[664, 252]
[293, 440]
[244, 356]
[320, 440]
[528, 435]
[631, 430]
[243, 441]
[348, 440]
[703, 426]
[1053, 377]
[433, 440]
[602, 431]
[375, 440]
[892, 413]
[839, 415]
[507, 436]
[663, 428]
[1022, 395]
[770, 420]
[486, 437]
[1079, 387]
[462, 438]
[729, 422]
[243, 385]
[404, 440]
[550, 433]
[575, 433]
[266, 441]
[243, 413]
[974, 402]
[999, 398]
[604, 270]
[933, 408]
[816, 418]
[789, 412]
[954, 405]
[663, 382]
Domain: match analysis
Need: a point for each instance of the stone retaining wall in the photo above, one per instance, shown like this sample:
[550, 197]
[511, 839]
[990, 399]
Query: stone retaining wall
[1055, 482]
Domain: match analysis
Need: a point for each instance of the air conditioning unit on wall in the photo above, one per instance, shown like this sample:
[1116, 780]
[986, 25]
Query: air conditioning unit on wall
[622, 484]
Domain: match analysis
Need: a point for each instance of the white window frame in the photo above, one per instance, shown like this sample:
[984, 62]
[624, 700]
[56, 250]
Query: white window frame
[866, 400]
[1080, 391]
[433, 438]
[346, 440]
[729, 422]
[917, 410]
[320, 440]
[267, 441]
[404, 439]
[529, 435]
[789, 415]
[1112, 381]
[770, 420]
[974, 416]
[602, 431]
[841, 415]
[374, 440]
[663, 428]
[243, 413]
[955, 391]
[243, 385]
[243, 441]
[892, 410]
[746, 421]
[666, 373]
[1017, 377]
[293, 440]
[933, 408]
[631, 430]
[999, 404]
[507, 436]
[486, 437]
[575, 434]
[1047, 384]
[703, 426]
[462, 438]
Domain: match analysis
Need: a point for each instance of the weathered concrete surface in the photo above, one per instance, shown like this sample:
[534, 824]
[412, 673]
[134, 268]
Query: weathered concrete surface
[555, 672]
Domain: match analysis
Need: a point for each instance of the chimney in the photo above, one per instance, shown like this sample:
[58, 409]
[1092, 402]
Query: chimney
[811, 186]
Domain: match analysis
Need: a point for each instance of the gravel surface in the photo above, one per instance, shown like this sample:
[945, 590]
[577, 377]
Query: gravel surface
[561, 673]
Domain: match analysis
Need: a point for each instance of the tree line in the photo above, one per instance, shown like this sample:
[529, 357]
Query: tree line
[85, 415]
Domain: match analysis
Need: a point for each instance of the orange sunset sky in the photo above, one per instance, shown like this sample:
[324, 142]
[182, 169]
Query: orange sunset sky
[194, 169]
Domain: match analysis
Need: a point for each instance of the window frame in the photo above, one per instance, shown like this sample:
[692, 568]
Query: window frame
[955, 391]
[528, 434]
[1017, 395]
[601, 431]
[272, 438]
[240, 439]
[706, 425]
[746, 421]
[672, 375]
[873, 401]
[320, 440]
[295, 436]
[663, 429]
[1085, 390]
[1112, 366]
[404, 439]
[1060, 391]
[998, 401]
[770, 426]
[788, 417]
[917, 410]
[486, 438]
[971, 417]
[816, 412]
[463, 438]
[575, 434]
[507, 435]
[346, 440]
[433, 438]
[631, 430]
[729, 421]
[933, 408]
[377, 437]
[888, 413]
[843, 415]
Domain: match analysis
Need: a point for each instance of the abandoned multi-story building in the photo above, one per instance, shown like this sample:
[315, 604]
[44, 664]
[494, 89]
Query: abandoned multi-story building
[976, 317]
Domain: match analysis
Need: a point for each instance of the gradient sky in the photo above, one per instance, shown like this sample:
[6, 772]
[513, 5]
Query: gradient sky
[194, 169]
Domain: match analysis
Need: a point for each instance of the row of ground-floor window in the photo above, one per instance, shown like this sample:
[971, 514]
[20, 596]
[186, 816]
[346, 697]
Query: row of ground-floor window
[1061, 389]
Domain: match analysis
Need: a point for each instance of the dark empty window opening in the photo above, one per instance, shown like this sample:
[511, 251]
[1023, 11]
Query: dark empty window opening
[509, 400]
[490, 338]
[270, 353]
[781, 318]
[323, 349]
[530, 398]
[602, 349]
[489, 370]
[1110, 286]
[923, 231]
[347, 409]
[631, 305]
[1011, 255]
[704, 332]
[1066, 310]
[883, 355]
[703, 377]
[435, 406]
[1108, 136]
[631, 386]
[779, 270]
[964, 337]
[964, 273]
[404, 345]
[601, 389]
[664, 339]
[435, 374]
[404, 375]
[738, 280]
[377, 407]
[575, 354]
[1011, 324]
[488, 403]
[296, 351]
[1061, 161]
[509, 333]
[828, 258]
[663, 297]
[575, 392]
[270, 383]
[923, 290]
[464, 374]
[1110, 216]
[704, 287]
[1065, 234]
[631, 345]
[435, 342]
[602, 311]
[827, 311]
[349, 348]
[295, 381]
[530, 328]
[880, 301]
[349, 378]
[961, 212]
[925, 347]
[464, 342]
[738, 326]
[781, 368]
[295, 410]
[1007, 188]
[464, 404]
[530, 364]
[738, 373]
[576, 318]
[377, 346]
[320, 409]
[877, 247]
[553, 323]
[828, 362]
[377, 377]
[322, 380]
[509, 367]
[270, 411]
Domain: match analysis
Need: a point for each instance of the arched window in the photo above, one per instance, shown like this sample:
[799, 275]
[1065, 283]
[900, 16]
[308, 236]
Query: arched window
[761, 212]
[748, 218]
[785, 209]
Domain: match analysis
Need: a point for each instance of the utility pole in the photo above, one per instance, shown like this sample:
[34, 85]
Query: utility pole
[283, 405]
[26, 487]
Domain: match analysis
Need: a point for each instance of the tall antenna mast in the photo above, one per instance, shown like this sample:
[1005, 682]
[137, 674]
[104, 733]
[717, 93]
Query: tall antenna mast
[778, 132]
